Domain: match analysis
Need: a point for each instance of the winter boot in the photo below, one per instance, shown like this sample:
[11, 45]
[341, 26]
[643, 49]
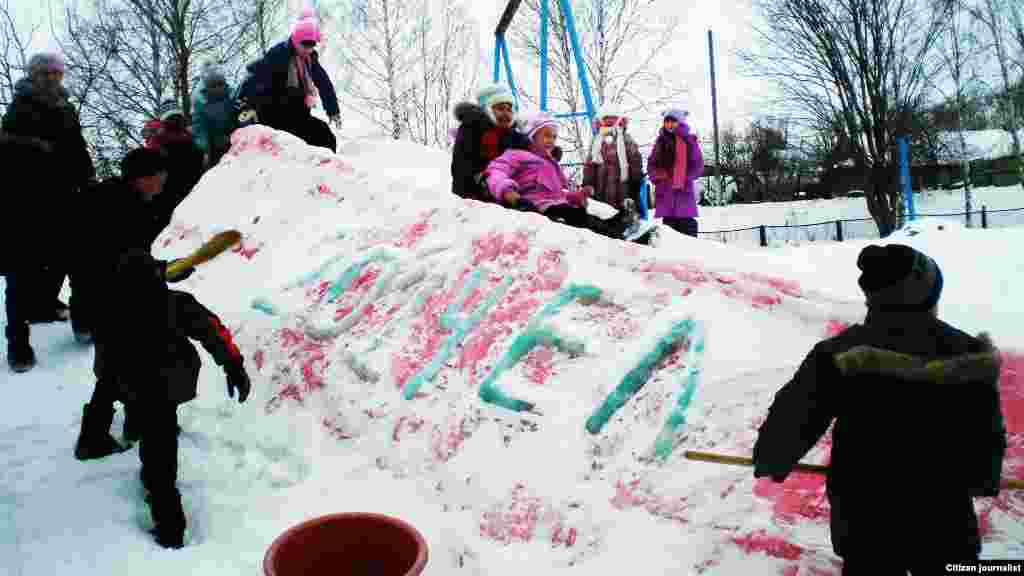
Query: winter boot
[168, 517]
[20, 356]
[130, 431]
[94, 440]
[61, 311]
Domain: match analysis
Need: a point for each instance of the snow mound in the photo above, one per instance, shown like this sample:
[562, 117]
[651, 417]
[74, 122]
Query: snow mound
[520, 391]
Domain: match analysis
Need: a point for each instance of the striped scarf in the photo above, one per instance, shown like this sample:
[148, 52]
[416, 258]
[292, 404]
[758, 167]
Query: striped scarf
[299, 76]
[619, 136]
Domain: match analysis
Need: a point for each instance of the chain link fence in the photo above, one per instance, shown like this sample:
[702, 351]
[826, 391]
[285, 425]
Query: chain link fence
[860, 228]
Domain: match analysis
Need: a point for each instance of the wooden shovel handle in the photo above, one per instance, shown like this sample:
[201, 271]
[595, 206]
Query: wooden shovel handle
[1008, 484]
[206, 252]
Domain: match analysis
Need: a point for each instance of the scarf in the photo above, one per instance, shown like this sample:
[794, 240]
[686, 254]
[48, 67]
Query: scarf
[613, 134]
[679, 167]
[490, 143]
[665, 150]
[300, 77]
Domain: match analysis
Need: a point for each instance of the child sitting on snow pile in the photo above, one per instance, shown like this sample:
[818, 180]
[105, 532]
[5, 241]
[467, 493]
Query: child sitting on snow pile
[614, 166]
[532, 179]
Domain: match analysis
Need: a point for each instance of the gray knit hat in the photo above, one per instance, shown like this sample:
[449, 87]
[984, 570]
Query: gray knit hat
[211, 72]
[897, 277]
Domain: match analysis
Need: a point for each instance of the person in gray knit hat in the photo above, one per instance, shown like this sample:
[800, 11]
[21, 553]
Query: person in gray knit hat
[901, 392]
[43, 136]
[213, 115]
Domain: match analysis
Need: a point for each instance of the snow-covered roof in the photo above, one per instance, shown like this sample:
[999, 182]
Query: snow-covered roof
[980, 145]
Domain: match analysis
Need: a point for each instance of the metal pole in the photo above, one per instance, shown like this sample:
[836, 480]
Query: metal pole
[544, 16]
[908, 193]
[714, 116]
[581, 66]
[497, 57]
[508, 72]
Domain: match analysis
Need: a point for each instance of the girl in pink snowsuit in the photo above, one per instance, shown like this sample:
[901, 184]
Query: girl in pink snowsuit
[533, 180]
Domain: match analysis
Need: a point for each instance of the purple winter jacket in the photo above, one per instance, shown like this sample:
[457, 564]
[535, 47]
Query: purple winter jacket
[670, 202]
[533, 174]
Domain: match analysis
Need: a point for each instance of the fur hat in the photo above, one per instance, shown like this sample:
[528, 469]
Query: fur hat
[45, 62]
[306, 28]
[167, 109]
[608, 110]
[677, 114]
[494, 94]
[532, 123]
[896, 276]
[142, 162]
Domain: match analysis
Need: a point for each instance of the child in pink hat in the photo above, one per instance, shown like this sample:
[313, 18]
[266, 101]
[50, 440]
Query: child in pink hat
[533, 180]
[283, 87]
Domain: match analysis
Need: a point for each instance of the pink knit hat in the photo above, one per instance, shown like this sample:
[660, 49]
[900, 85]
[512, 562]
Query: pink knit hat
[306, 28]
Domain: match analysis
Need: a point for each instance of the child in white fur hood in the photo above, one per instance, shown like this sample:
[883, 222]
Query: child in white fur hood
[614, 166]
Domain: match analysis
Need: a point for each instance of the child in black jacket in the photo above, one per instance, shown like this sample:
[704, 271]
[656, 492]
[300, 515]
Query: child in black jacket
[144, 357]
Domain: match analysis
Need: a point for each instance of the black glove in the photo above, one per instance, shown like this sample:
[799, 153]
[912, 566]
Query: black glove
[775, 476]
[237, 379]
[177, 277]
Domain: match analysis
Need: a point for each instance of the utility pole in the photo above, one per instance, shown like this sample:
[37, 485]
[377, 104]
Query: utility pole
[714, 115]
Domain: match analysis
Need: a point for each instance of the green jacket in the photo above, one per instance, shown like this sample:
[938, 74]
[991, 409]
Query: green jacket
[213, 121]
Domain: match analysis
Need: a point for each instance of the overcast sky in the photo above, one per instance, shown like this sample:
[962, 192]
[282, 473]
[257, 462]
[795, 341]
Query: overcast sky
[730, 21]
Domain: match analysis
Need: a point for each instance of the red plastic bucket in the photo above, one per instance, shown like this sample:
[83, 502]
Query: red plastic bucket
[350, 543]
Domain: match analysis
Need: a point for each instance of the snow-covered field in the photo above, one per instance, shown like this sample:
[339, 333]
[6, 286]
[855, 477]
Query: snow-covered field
[362, 281]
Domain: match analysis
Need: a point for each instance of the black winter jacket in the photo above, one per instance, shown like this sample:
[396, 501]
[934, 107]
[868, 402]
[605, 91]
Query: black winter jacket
[146, 330]
[47, 180]
[911, 444]
[142, 327]
[29, 115]
[265, 87]
[467, 161]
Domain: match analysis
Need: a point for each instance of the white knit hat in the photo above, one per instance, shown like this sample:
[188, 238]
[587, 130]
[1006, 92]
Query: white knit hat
[533, 122]
[494, 94]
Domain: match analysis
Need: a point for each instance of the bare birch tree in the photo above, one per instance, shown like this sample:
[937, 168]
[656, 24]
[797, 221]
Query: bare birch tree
[447, 71]
[14, 41]
[997, 16]
[959, 53]
[403, 63]
[624, 48]
[867, 63]
[377, 53]
[126, 56]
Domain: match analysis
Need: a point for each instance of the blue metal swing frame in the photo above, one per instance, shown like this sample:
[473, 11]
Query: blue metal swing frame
[501, 57]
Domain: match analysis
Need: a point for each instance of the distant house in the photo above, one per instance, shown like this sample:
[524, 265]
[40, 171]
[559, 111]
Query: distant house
[989, 152]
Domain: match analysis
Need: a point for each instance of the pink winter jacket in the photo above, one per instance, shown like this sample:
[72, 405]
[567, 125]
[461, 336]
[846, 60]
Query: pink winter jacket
[534, 175]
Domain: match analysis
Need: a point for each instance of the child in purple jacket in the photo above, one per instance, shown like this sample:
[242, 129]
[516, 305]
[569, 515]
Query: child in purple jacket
[533, 180]
[674, 164]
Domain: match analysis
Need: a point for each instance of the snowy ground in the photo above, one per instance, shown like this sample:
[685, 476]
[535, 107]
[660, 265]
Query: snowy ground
[362, 278]
[1005, 207]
